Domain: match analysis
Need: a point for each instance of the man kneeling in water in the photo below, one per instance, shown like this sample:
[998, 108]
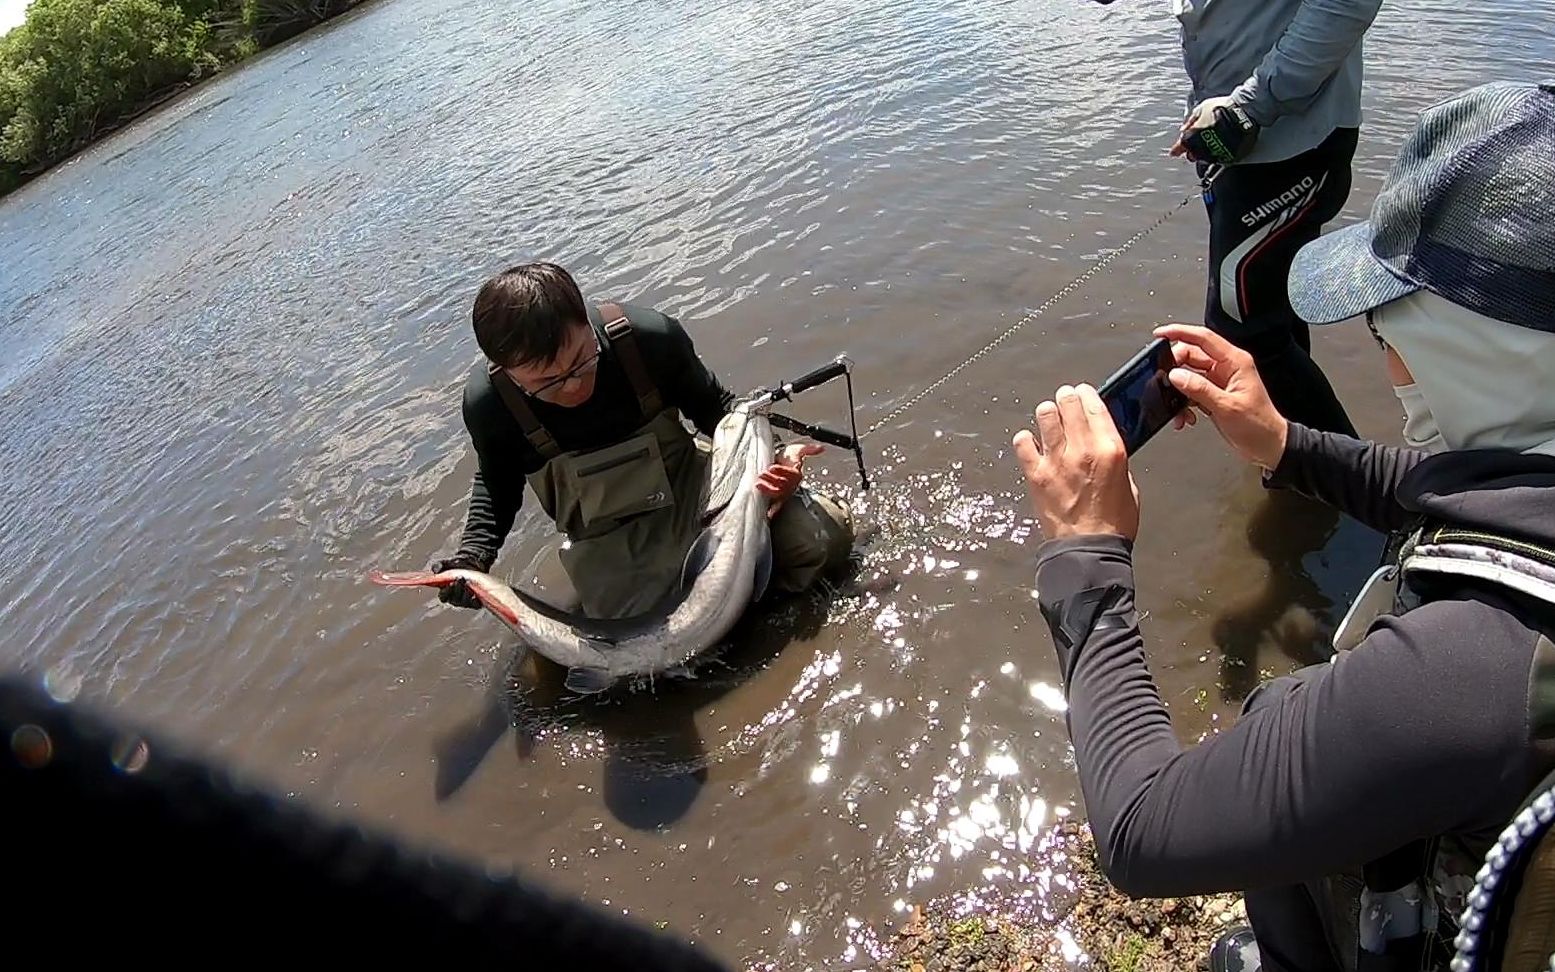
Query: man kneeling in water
[585, 403]
[1353, 800]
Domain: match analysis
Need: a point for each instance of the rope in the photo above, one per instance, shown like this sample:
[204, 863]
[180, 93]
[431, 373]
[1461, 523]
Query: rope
[1030, 316]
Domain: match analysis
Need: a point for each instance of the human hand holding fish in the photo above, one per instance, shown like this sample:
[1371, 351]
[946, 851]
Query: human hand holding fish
[782, 478]
[459, 594]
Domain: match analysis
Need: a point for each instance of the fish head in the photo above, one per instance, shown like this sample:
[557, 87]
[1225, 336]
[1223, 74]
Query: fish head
[742, 451]
[730, 458]
[730, 429]
[759, 428]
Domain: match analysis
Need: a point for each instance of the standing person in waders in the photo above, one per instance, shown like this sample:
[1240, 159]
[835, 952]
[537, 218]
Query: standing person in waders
[1276, 105]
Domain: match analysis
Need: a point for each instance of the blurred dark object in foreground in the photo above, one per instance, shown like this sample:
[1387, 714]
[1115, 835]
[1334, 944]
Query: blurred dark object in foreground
[119, 846]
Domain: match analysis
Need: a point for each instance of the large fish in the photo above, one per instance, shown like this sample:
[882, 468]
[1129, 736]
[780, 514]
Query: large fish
[726, 569]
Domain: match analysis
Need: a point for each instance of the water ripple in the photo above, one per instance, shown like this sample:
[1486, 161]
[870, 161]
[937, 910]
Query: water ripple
[237, 332]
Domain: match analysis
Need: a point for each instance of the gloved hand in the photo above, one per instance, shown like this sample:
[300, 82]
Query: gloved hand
[782, 478]
[1216, 132]
[458, 593]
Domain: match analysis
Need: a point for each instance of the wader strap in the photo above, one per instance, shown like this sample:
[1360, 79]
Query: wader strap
[514, 399]
[619, 330]
[1541, 700]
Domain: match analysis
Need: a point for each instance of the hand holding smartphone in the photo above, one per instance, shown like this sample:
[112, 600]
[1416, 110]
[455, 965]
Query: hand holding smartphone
[1140, 397]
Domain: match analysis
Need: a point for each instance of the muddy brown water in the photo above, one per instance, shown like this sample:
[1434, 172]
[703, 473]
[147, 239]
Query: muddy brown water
[235, 334]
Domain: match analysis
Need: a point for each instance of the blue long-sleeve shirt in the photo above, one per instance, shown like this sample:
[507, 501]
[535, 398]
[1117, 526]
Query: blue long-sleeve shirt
[1293, 65]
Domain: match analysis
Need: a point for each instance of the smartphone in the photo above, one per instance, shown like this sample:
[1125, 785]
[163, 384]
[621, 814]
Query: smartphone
[1142, 401]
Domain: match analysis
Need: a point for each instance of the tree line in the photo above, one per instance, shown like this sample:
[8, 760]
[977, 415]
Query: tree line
[76, 69]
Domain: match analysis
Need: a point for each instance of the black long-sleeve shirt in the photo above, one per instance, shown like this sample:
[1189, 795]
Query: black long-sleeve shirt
[1422, 730]
[505, 456]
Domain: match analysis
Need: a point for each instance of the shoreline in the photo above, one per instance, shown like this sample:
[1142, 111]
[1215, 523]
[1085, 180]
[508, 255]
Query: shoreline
[1100, 927]
[172, 95]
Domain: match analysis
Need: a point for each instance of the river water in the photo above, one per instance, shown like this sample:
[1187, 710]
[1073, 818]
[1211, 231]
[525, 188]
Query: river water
[235, 335]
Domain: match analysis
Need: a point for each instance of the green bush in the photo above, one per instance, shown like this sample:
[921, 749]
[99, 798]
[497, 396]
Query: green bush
[272, 21]
[76, 68]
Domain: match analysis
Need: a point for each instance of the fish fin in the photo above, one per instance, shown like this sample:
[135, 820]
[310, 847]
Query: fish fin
[588, 681]
[763, 566]
[698, 557]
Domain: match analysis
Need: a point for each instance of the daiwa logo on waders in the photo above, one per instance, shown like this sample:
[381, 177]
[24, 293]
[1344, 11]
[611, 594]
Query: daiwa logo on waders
[1279, 202]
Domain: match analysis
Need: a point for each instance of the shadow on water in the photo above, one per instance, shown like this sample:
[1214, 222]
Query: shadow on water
[656, 760]
[1318, 559]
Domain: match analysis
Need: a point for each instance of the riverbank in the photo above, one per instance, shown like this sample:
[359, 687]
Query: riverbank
[77, 70]
[1116, 933]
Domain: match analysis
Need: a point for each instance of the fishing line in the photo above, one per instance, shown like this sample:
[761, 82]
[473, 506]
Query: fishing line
[842, 366]
[1069, 288]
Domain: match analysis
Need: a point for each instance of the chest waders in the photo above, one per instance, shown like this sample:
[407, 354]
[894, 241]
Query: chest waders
[629, 510]
[1406, 907]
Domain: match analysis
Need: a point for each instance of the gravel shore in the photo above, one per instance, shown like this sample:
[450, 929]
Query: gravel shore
[1102, 930]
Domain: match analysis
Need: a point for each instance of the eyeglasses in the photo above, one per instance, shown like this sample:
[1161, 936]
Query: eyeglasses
[548, 391]
[1371, 326]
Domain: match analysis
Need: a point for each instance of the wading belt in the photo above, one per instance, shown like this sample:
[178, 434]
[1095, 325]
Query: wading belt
[619, 337]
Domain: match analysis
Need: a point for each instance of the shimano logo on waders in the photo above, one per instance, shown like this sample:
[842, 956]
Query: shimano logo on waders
[1258, 213]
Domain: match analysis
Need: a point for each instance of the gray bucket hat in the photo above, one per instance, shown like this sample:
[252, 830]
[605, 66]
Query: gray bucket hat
[1467, 212]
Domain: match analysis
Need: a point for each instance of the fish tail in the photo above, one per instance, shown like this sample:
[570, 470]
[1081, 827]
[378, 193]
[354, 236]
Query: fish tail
[411, 578]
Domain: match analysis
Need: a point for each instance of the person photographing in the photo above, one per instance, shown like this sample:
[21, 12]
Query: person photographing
[1352, 801]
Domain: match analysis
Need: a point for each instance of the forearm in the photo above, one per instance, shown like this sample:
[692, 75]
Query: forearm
[1118, 724]
[492, 509]
[698, 393]
[1354, 476]
[1272, 799]
[707, 400]
[1312, 48]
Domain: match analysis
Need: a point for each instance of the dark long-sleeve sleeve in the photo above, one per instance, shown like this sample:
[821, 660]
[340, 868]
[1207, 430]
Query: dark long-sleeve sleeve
[693, 387]
[1312, 48]
[1359, 478]
[1337, 765]
[490, 516]
[497, 491]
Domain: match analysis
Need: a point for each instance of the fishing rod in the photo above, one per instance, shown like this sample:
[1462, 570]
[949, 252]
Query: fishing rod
[840, 367]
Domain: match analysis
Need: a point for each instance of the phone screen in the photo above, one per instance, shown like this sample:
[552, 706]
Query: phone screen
[1140, 397]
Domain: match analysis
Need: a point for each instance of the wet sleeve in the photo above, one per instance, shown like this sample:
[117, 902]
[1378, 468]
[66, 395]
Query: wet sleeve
[694, 389]
[1338, 765]
[1307, 54]
[497, 492]
[1354, 476]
